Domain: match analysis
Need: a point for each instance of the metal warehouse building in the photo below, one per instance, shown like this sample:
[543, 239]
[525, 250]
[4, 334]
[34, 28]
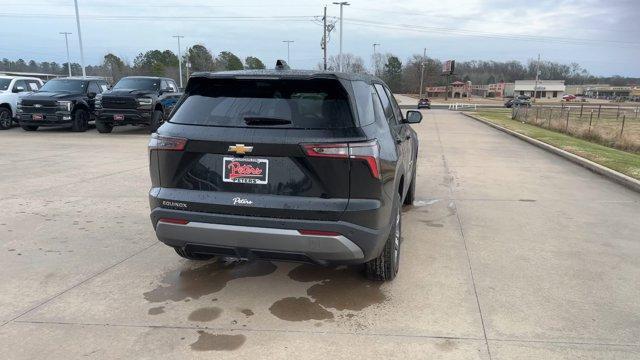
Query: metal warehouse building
[546, 89]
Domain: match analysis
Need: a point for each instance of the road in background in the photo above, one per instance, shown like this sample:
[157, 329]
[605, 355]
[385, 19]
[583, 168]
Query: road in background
[509, 252]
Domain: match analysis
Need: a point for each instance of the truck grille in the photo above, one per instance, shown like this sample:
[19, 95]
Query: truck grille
[109, 102]
[30, 109]
[43, 103]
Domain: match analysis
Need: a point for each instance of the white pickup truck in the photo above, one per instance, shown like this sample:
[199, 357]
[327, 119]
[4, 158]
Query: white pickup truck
[11, 89]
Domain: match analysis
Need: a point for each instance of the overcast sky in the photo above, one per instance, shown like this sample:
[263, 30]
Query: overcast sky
[601, 35]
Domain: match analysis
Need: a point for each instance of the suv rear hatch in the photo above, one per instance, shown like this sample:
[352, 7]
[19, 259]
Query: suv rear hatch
[259, 147]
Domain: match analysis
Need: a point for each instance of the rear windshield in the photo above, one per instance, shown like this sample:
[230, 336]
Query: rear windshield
[299, 104]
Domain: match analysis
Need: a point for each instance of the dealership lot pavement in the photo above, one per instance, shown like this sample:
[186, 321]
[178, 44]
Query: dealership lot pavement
[509, 253]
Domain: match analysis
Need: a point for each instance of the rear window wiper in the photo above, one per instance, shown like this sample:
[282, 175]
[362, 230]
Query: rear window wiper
[255, 120]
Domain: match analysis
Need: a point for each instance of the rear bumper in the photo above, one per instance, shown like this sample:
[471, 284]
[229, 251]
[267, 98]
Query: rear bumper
[269, 238]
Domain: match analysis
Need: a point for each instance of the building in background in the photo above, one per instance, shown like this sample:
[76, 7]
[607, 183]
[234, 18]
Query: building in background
[603, 91]
[546, 89]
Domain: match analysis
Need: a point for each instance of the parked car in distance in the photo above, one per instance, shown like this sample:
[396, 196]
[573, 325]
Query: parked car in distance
[568, 97]
[61, 102]
[285, 165]
[509, 103]
[136, 100]
[424, 103]
[11, 89]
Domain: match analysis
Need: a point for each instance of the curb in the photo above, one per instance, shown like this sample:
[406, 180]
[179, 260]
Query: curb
[620, 178]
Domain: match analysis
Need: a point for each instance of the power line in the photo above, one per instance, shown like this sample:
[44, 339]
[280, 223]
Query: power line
[483, 34]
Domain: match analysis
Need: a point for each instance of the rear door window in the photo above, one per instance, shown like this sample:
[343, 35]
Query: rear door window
[284, 103]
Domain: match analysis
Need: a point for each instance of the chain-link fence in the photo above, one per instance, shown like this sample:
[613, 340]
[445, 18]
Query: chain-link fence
[614, 126]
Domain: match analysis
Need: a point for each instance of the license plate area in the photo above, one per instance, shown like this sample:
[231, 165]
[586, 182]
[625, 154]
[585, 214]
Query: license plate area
[245, 170]
[37, 117]
[118, 117]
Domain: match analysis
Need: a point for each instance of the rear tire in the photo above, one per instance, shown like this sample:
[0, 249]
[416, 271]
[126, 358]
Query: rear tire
[80, 121]
[29, 127]
[156, 120]
[385, 266]
[191, 256]
[103, 128]
[5, 119]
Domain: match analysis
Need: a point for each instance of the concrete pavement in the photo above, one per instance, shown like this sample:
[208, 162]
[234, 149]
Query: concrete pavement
[509, 253]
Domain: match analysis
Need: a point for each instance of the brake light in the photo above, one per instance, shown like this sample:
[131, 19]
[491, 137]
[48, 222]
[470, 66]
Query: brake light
[327, 150]
[161, 142]
[368, 151]
[318, 233]
[174, 221]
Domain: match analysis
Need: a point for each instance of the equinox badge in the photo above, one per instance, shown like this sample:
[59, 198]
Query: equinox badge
[240, 149]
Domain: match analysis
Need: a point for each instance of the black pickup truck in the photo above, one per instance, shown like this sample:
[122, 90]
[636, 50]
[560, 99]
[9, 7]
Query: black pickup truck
[61, 102]
[136, 100]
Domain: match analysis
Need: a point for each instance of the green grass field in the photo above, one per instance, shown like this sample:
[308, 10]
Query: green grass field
[618, 160]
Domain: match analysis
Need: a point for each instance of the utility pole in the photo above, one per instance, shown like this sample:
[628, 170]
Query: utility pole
[84, 73]
[375, 60]
[324, 37]
[66, 41]
[424, 59]
[179, 58]
[342, 4]
[288, 50]
[535, 88]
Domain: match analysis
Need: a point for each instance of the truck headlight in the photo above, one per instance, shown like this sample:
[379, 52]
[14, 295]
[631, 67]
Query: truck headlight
[145, 101]
[64, 105]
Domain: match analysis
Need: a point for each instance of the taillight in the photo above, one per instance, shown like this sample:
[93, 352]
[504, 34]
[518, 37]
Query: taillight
[174, 221]
[368, 151]
[327, 150]
[161, 142]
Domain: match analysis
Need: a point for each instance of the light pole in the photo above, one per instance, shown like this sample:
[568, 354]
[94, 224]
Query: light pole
[288, 44]
[375, 60]
[342, 4]
[84, 73]
[424, 60]
[66, 41]
[179, 58]
[535, 87]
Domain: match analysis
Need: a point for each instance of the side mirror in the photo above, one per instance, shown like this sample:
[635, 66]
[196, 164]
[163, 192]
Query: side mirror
[413, 117]
[18, 89]
[91, 95]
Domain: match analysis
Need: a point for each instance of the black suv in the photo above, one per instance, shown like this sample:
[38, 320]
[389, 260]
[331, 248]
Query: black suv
[285, 165]
[136, 100]
[65, 101]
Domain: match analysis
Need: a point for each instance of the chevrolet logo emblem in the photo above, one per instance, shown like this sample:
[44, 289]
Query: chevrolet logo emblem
[240, 149]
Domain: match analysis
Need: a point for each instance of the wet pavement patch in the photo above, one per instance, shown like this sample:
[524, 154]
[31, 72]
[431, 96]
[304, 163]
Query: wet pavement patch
[299, 309]
[431, 223]
[210, 278]
[156, 310]
[341, 288]
[205, 314]
[217, 342]
[247, 312]
[446, 345]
